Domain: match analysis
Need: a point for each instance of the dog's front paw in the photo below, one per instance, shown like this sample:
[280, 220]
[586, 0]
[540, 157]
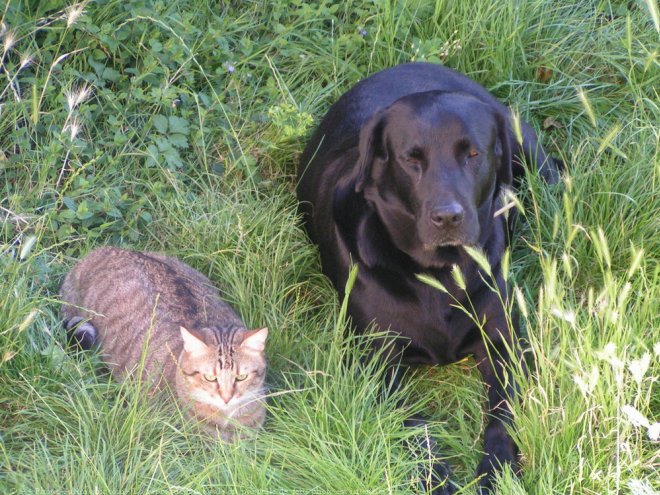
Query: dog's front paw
[500, 450]
[434, 472]
[438, 482]
[434, 478]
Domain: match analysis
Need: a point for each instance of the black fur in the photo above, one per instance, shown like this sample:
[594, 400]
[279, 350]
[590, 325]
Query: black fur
[403, 171]
[81, 333]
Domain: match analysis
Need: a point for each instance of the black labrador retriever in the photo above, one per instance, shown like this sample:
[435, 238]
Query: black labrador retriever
[404, 171]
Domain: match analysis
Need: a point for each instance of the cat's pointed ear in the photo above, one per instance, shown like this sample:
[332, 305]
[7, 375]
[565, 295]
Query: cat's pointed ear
[192, 344]
[255, 340]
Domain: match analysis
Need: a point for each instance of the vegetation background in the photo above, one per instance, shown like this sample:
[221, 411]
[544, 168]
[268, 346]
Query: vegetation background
[176, 126]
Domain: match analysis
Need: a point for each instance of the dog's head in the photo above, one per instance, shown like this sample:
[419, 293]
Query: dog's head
[431, 165]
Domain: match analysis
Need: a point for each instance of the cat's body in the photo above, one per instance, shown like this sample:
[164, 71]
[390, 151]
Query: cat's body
[152, 312]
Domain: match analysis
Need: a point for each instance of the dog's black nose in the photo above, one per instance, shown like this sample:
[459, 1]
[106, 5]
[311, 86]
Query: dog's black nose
[449, 215]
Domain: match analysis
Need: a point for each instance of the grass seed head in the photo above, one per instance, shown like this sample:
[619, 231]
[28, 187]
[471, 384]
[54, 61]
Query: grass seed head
[73, 12]
[8, 40]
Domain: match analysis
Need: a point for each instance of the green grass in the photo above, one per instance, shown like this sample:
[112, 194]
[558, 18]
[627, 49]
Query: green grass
[186, 142]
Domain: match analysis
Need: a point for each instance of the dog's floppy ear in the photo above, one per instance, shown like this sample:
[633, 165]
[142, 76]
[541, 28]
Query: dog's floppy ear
[503, 150]
[371, 142]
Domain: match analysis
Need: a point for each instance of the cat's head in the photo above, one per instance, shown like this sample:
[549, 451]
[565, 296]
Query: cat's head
[224, 370]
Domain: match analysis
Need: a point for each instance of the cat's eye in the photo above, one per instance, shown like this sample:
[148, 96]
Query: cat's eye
[241, 377]
[472, 153]
[210, 378]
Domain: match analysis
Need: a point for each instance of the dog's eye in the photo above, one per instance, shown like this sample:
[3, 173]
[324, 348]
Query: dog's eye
[413, 158]
[472, 153]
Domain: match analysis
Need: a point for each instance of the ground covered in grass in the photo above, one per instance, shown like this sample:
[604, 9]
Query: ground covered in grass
[176, 126]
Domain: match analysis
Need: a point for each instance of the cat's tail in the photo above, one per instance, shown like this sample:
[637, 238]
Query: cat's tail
[82, 334]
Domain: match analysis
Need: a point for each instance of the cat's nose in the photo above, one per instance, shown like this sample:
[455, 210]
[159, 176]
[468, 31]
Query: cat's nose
[226, 397]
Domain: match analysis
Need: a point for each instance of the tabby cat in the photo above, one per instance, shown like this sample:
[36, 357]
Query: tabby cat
[152, 312]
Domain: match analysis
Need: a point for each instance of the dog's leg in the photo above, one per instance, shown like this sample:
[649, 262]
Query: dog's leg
[548, 167]
[435, 473]
[499, 447]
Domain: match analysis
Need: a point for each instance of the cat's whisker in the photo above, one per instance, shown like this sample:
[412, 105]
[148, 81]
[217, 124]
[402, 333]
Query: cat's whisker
[286, 392]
